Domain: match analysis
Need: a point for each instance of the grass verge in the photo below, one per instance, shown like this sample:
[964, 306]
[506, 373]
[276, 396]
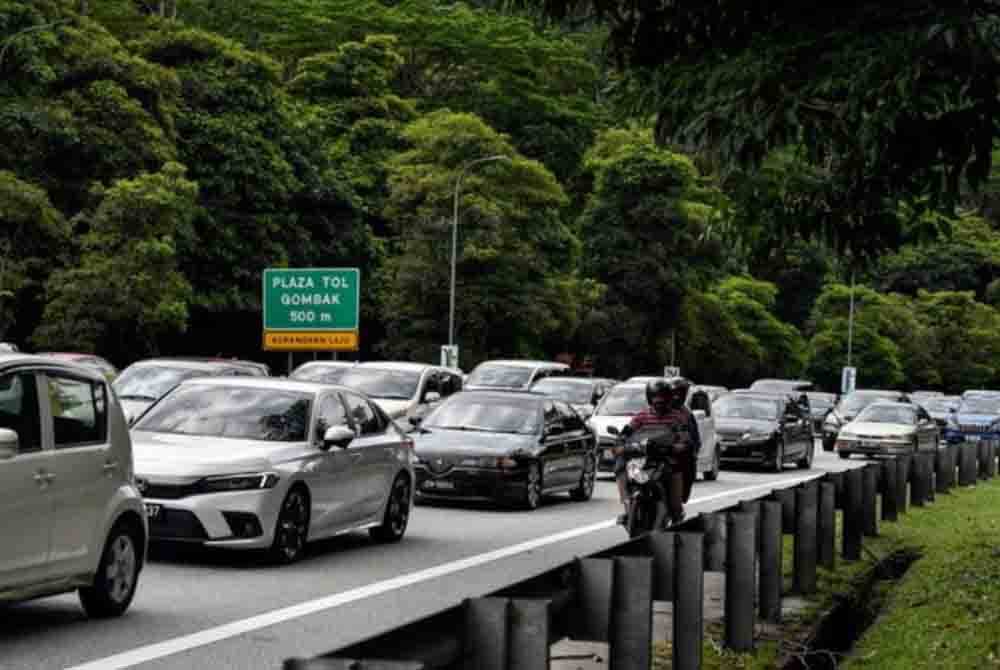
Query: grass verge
[943, 613]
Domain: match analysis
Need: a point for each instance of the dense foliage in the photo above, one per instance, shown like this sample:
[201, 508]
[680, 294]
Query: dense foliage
[159, 155]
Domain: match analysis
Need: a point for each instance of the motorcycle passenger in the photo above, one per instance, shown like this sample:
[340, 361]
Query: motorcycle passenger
[668, 415]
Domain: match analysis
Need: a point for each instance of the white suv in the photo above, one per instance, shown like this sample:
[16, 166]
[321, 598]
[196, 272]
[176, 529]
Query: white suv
[70, 514]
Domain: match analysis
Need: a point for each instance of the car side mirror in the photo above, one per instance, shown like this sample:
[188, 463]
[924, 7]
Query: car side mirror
[554, 429]
[8, 443]
[431, 396]
[612, 430]
[337, 436]
[415, 421]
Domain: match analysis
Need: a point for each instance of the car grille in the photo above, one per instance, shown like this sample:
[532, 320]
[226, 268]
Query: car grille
[729, 436]
[177, 524]
[439, 465]
[168, 491]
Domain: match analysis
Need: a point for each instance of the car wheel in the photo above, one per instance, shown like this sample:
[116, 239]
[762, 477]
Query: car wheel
[292, 528]
[117, 574]
[806, 461]
[779, 456]
[585, 490]
[397, 513]
[532, 488]
[713, 474]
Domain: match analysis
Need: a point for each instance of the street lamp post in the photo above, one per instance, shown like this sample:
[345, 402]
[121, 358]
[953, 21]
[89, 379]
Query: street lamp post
[454, 238]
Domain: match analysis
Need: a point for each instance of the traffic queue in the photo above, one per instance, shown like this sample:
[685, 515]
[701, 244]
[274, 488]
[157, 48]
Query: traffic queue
[220, 453]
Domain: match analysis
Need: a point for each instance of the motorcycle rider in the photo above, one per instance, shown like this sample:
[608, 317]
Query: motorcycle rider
[668, 416]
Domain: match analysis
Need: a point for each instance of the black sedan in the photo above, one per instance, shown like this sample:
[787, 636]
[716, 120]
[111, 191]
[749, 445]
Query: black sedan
[767, 429]
[503, 446]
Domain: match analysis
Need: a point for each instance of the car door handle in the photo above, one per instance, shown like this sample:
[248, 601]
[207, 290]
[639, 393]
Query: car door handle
[42, 477]
[110, 467]
[355, 455]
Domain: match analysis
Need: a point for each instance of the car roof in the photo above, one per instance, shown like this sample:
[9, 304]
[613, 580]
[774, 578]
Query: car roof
[268, 383]
[185, 363]
[864, 392]
[68, 355]
[771, 395]
[887, 403]
[571, 379]
[19, 359]
[328, 364]
[520, 362]
[501, 393]
[396, 365]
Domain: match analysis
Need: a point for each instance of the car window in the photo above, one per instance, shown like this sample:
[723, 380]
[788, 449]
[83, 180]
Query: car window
[79, 411]
[701, 401]
[19, 410]
[330, 413]
[368, 421]
[551, 415]
[571, 420]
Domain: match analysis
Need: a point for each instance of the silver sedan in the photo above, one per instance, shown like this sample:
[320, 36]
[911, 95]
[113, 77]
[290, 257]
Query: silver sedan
[257, 463]
[889, 428]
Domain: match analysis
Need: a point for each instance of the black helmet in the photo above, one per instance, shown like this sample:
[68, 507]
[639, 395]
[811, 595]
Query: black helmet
[658, 387]
[679, 387]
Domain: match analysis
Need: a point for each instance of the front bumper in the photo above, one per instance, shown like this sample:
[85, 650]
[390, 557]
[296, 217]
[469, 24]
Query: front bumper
[874, 448]
[238, 519]
[473, 484]
[755, 452]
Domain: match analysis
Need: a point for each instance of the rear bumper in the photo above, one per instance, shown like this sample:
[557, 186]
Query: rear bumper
[473, 484]
[877, 450]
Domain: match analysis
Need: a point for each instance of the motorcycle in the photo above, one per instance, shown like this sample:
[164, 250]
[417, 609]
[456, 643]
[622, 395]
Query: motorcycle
[647, 471]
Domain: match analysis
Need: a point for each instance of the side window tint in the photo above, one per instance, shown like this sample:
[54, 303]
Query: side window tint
[19, 410]
[569, 416]
[79, 411]
[552, 415]
[363, 415]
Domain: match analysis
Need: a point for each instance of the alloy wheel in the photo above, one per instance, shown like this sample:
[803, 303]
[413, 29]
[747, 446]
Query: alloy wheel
[293, 527]
[398, 514]
[587, 478]
[121, 569]
[533, 487]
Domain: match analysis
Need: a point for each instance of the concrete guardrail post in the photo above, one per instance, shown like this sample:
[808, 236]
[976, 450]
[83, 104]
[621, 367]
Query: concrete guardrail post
[486, 641]
[714, 529]
[919, 481]
[837, 479]
[943, 479]
[741, 573]
[992, 455]
[986, 454]
[662, 547]
[827, 526]
[594, 589]
[956, 462]
[806, 543]
[769, 596]
[853, 511]
[528, 626]
[350, 664]
[632, 615]
[753, 507]
[869, 502]
[689, 597]
[890, 510]
[967, 464]
[787, 499]
[903, 464]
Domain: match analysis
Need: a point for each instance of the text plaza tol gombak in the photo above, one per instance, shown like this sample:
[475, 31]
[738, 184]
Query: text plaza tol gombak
[305, 284]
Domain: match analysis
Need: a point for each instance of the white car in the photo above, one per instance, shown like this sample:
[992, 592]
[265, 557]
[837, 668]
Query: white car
[323, 372]
[70, 513]
[264, 463]
[403, 390]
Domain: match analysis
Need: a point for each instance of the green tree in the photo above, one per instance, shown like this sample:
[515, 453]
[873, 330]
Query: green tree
[896, 100]
[30, 229]
[127, 293]
[877, 358]
[751, 303]
[711, 347]
[646, 235]
[966, 339]
[515, 285]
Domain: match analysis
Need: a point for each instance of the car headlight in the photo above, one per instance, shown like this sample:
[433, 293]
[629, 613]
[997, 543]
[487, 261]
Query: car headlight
[755, 436]
[488, 462]
[241, 482]
[634, 470]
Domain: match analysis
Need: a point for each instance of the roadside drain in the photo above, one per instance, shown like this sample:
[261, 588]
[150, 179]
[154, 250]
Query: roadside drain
[854, 612]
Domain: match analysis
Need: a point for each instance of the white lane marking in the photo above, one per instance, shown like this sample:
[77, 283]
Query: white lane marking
[208, 636]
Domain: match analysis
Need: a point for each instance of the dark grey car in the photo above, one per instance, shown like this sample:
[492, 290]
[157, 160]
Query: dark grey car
[768, 429]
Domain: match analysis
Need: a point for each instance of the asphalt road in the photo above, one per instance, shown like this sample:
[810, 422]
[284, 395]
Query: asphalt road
[198, 609]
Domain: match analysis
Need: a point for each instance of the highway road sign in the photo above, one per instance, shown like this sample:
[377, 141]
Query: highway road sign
[311, 309]
[848, 380]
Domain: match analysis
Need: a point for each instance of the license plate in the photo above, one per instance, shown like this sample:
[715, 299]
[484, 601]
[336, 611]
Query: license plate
[439, 485]
[870, 445]
[972, 438]
[154, 511]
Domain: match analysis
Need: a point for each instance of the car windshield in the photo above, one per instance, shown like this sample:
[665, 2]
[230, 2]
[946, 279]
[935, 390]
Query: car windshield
[855, 402]
[486, 414]
[939, 404]
[820, 401]
[980, 405]
[509, 376]
[888, 414]
[623, 401]
[324, 374]
[743, 407]
[231, 411]
[151, 382]
[383, 383]
[575, 393]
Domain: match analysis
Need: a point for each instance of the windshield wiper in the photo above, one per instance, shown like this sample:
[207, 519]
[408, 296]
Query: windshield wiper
[136, 396]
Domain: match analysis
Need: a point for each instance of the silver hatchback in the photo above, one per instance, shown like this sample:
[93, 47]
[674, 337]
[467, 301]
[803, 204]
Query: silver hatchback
[259, 463]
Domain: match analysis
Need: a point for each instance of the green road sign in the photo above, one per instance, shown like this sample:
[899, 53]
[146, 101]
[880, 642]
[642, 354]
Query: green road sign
[311, 299]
